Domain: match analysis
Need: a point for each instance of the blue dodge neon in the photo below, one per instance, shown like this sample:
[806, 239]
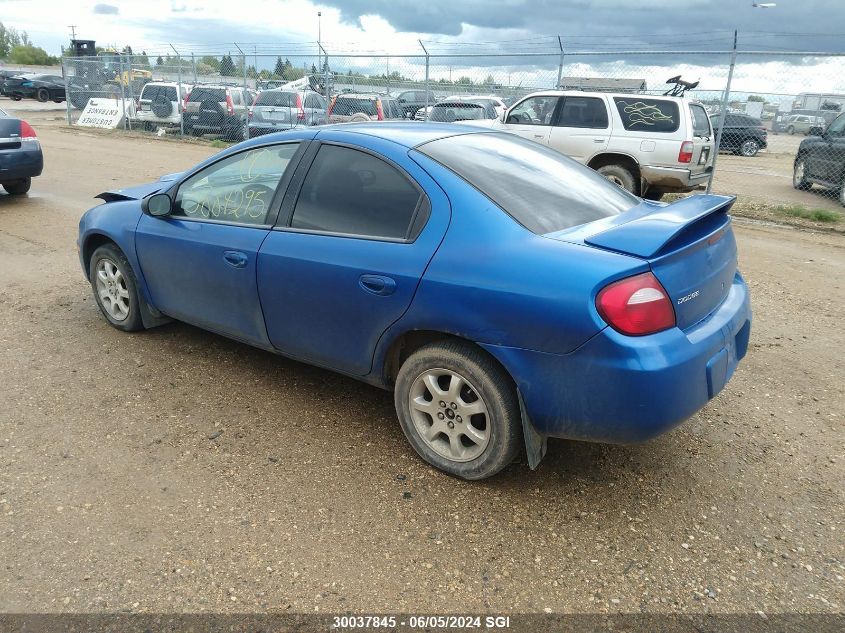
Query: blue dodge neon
[504, 292]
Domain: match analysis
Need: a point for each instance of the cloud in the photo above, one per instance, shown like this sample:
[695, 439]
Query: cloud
[106, 9]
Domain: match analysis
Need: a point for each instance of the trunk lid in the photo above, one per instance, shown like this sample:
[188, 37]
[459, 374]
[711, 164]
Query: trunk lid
[10, 133]
[689, 245]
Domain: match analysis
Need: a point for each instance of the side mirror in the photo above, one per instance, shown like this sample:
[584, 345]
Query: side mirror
[815, 130]
[158, 205]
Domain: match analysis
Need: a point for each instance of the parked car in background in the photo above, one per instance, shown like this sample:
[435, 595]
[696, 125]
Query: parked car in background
[41, 87]
[276, 110]
[609, 319]
[744, 135]
[217, 109]
[780, 121]
[821, 160]
[647, 145]
[412, 100]
[498, 104]
[357, 107]
[161, 104]
[464, 110]
[802, 123]
[21, 158]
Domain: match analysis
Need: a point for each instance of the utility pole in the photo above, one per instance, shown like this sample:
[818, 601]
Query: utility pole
[72, 28]
[319, 38]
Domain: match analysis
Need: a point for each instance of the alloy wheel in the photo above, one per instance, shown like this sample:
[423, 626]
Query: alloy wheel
[112, 290]
[749, 148]
[449, 415]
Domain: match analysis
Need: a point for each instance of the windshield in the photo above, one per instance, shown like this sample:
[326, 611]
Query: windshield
[538, 187]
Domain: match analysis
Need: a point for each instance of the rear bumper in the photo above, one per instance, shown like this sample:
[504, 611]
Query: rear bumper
[673, 179]
[20, 163]
[623, 389]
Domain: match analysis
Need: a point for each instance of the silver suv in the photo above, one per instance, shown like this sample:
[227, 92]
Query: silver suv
[161, 104]
[276, 110]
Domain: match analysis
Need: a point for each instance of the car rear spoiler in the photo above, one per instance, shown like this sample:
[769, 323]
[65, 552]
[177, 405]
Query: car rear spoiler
[648, 234]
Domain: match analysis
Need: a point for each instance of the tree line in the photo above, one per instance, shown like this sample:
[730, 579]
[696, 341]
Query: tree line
[16, 48]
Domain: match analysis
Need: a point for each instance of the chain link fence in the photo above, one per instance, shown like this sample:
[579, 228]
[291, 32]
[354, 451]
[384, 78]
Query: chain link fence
[773, 114]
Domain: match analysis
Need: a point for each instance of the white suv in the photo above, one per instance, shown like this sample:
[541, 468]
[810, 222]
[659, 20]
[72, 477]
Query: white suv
[159, 104]
[648, 145]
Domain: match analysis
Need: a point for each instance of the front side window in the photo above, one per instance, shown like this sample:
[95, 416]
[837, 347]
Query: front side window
[354, 193]
[648, 115]
[534, 111]
[588, 112]
[236, 189]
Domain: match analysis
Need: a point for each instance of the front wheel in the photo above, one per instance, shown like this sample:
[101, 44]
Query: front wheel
[115, 289]
[619, 175]
[43, 95]
[799, 175]
[18, 187]
[459, 410]
[749, 148]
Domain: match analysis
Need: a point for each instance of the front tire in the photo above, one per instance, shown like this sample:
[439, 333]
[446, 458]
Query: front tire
[619, 175]
[43, 95]
[459, 409]
[799, 175]
[115, 288]
[18, 187]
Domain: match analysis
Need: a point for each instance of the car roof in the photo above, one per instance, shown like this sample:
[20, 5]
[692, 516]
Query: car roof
[409, 134]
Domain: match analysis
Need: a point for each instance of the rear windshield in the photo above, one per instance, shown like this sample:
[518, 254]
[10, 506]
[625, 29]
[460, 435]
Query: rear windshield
[208, 94]
[540, 188]
[152, 92]
[456, 112]
[277, 99]
[649, 115]
[346, 106]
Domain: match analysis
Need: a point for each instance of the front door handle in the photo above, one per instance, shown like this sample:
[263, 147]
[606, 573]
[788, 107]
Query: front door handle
[377, 284]
[235, 258]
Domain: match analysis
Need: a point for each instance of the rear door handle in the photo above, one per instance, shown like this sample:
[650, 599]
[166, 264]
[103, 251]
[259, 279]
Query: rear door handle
[377, 284]
[235, 258]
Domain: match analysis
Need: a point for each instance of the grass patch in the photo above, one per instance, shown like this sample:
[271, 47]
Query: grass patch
[219, 144]
[817, 215]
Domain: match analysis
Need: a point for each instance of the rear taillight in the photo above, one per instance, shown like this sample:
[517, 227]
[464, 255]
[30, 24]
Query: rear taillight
[300, 111]
[27, 133]
[185, 102]
[230, 106]
[379, 110]
[636, 306]
[331, 106]
[685, 155]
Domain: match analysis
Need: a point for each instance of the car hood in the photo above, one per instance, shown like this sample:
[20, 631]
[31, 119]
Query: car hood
[139, 191]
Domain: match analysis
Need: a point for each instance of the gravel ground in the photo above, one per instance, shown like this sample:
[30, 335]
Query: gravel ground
[175, 470]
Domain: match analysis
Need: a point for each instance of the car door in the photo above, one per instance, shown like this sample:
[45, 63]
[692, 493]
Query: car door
[828, 155]
[200, 261]
[348, 255]
[581, 128]
[532, 118]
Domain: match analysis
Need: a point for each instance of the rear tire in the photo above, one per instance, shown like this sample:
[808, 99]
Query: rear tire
[18, 187]
[799, 175]
[790, 130]
[459, 409]
[619, 175]
[115, 288]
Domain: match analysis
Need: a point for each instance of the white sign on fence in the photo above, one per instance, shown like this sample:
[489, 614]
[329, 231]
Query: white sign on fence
[103, 113]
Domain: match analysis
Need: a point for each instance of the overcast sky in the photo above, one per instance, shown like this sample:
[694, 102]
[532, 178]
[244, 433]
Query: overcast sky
[453, 25]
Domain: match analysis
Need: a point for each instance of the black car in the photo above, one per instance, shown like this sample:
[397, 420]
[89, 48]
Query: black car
[412, 100]
[21, 159]
[41, 87]
[821, 160]
[743, 134]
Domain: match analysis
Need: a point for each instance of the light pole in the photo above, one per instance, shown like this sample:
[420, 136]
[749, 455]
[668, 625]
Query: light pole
[319, 38]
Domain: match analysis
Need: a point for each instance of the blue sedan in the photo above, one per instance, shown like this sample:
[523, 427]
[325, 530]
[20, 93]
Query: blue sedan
[504, 292]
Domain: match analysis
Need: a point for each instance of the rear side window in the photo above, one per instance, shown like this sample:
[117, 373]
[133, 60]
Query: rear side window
[354, 193]
[217, 95]
[345, 106]
[700, 121]
[588, 112]
[276, 99]
[538, 187]
[648, 115]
